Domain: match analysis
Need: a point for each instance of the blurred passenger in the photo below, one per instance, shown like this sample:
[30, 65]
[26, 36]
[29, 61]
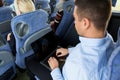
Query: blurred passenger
[88, 60]
[59, 5]
[21, 7]
[57, 19]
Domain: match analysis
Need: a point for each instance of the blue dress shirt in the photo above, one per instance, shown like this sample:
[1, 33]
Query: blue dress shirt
[86, 61]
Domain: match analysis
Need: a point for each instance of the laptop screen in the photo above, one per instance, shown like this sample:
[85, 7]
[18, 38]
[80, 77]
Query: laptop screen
[44, 46]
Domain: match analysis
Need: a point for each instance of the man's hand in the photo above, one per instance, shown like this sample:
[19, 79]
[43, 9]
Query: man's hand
[53, 63]
[61, 52]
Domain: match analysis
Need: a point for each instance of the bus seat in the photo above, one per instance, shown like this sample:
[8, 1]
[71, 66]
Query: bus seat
[114, 61]
[71, 37]
[52, 5]
[27, 28]
[114, 24]
[8, 2]
[5, 27]
[7, 65]
[43, 4]
[67, 19]
[5, 13]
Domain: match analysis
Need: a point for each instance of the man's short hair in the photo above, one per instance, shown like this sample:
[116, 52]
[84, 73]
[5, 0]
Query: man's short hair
[97, 11]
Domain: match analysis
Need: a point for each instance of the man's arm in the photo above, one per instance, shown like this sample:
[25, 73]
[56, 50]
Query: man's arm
[56, 73]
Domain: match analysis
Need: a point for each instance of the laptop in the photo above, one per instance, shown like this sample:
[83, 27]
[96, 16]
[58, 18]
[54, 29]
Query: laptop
[46, 47]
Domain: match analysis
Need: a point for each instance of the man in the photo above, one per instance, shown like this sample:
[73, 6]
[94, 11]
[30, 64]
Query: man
[88, 60]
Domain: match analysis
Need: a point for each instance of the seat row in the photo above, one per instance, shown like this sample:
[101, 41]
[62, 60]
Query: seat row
[29, 27]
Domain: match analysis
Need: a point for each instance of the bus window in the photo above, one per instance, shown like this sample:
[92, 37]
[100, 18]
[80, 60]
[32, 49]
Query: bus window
[116, 8]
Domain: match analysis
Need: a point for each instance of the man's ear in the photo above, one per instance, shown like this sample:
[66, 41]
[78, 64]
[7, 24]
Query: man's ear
[86, 23]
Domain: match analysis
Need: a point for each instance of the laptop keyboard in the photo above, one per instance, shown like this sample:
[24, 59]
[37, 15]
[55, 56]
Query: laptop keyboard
[53, 54]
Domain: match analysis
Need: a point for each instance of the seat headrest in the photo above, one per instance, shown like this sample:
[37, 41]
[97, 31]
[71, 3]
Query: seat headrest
[5, 13]
[41, 4]
[29, 22]
[8, 2]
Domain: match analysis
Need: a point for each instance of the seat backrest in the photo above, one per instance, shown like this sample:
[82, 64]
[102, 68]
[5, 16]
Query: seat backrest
[43, 4]
[27, 28]
[5, 13]
[7, 65]
[67, 19]
[52, 5]
[71, 38]
[8, 2]
[114, 24]
[114, 61]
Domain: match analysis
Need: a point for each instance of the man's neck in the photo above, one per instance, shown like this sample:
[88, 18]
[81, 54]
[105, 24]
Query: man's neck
[95, 34]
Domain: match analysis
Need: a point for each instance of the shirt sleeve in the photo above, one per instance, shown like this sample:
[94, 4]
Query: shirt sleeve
[56, 74]
[70, 49]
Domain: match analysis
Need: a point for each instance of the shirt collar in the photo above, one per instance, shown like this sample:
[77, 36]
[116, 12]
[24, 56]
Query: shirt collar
[93, 41]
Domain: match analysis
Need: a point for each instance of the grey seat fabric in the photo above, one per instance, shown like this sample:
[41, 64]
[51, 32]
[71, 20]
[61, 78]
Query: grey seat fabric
[27, 28]
[7, 65]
